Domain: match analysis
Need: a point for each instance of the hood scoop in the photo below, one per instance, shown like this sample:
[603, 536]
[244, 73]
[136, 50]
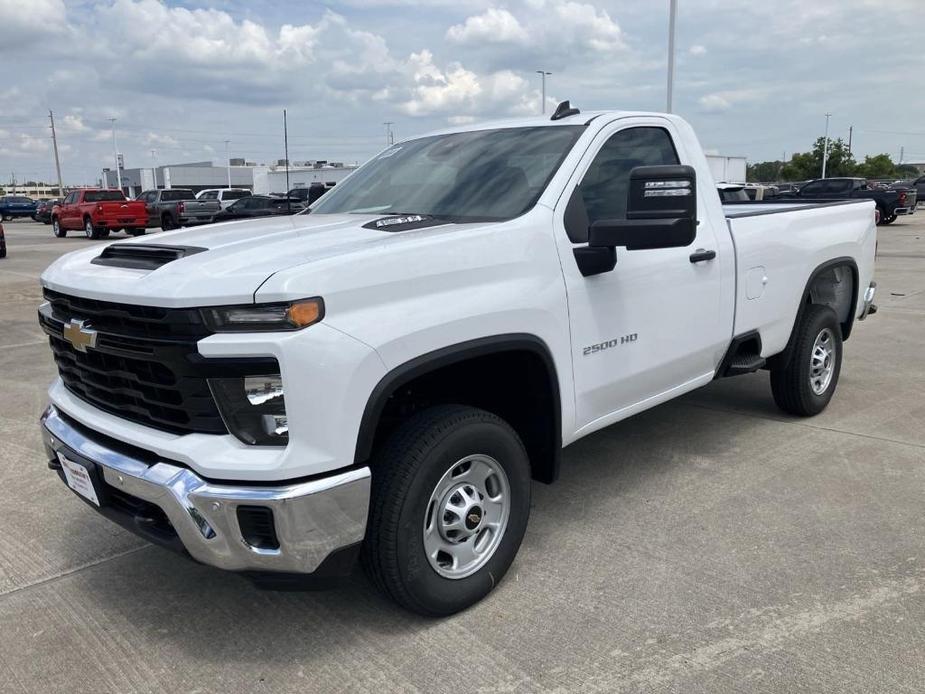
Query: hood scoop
[139, 256]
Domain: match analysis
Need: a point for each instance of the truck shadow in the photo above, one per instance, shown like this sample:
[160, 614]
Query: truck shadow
[171, 603]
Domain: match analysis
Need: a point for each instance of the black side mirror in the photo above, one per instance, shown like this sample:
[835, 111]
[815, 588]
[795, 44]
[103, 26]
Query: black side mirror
[661, 211]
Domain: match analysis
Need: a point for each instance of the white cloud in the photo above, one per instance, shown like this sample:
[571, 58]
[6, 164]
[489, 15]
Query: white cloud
[493, 26]
[22, 23]
[71, 124]
[572, 27]
[724, 100]
[160, 140]
[697, 49]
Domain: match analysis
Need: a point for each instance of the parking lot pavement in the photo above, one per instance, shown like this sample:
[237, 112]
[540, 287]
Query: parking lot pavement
[712, 544]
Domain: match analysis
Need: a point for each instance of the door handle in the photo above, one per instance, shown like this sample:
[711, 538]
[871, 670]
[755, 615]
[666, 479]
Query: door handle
[701, 255]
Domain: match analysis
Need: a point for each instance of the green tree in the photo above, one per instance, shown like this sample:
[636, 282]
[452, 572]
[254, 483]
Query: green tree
[907, 171]
[877, 166]
[808, 165]
[763, 171]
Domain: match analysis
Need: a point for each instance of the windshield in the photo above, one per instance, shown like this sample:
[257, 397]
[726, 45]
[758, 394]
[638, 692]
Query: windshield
[103, 195]
[484, 175]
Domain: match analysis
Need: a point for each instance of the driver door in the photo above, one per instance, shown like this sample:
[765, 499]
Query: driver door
[651, 327]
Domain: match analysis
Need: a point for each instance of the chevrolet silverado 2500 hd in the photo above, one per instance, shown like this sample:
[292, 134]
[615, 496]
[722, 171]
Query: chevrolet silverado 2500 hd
[383, 375]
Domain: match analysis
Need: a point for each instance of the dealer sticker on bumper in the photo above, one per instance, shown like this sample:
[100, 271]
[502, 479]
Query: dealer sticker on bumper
[78, 478]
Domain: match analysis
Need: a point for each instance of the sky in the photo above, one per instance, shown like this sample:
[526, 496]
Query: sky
[181, 77]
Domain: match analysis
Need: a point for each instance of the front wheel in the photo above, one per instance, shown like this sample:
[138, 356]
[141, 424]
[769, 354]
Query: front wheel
[889, 219]
[449, 507]
[806, 382]
[57, 230]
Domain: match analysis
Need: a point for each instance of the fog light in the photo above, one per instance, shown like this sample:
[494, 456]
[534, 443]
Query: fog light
[253, 408]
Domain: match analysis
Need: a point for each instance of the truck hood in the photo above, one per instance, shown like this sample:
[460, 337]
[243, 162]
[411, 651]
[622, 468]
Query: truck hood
[239, 257]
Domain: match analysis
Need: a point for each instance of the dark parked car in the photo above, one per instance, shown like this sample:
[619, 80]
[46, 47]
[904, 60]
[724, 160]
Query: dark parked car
[308, 195]
[43, 210]
[16, 206]
[890, 203]
[259, 206]
[919, 185]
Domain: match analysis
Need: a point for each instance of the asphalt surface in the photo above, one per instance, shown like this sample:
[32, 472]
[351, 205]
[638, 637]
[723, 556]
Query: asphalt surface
[712, 544]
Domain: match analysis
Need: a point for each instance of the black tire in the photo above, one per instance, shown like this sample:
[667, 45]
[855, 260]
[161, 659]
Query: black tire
[90, 231]
[135, 232]
[6, 217]
[167, 223]
[57, 230]
[405, 473]
[889, 219]
[791, 382]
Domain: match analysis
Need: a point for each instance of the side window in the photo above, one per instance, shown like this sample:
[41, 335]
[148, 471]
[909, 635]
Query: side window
[69, 200]
[812, 189]
[606, 184]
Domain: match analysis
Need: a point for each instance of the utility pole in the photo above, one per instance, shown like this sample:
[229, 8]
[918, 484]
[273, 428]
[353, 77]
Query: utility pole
[286, 150]
[850, 134]
[672, 14]
[54, 140]
[902, 153]
[228, 162]
[389, 137]
[115, 153]
[543, 75]
[825, 147]
[154, 169]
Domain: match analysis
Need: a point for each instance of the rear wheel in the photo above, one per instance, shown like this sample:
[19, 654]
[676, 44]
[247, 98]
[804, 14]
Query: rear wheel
[167, 223]
[806, 382]
[449, 507]
[135, 232]
[6, 217]
[90, 231]
[56, 228]
[889, 219]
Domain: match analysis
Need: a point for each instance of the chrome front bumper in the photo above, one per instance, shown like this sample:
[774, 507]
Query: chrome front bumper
[868, 307]
[312, 519]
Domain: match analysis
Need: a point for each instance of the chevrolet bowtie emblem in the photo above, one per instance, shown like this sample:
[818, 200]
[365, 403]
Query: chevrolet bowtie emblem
[79, 334]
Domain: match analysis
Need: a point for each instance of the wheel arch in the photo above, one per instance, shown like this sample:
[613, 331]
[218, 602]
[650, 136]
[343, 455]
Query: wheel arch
[817, 280]
[536, 413]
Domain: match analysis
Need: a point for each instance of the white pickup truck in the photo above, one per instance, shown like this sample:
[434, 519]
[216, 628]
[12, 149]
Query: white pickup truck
[384, 375]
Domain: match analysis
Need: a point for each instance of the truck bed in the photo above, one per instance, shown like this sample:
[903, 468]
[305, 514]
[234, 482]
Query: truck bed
[752, 208]
[781, 245]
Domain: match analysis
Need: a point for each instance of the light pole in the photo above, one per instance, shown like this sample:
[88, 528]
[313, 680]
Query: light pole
[543, 75]
[389, 137]
[228, 162]
[825, 147]
[672, 14]
[154, 168]
[115, 153]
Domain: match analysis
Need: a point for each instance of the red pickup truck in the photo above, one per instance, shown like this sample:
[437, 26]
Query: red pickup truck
[96, 212]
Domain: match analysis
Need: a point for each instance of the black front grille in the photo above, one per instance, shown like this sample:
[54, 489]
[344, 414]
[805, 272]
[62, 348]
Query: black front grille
[144, 366]
[129, 320]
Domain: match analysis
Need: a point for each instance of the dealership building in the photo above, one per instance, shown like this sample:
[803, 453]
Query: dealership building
[259, 178]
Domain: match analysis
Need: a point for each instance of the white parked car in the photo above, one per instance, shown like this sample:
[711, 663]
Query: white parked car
[225, 196]
[385, 376]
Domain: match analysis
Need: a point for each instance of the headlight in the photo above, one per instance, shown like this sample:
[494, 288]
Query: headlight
[253, 408]
[293, 315]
